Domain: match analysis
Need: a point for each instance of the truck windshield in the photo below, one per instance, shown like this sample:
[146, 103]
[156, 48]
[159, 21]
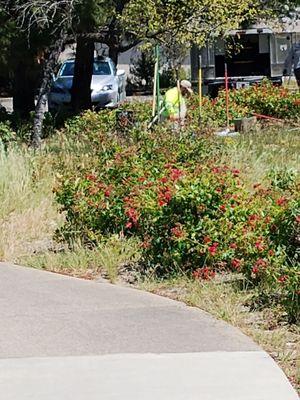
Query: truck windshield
[100, 68]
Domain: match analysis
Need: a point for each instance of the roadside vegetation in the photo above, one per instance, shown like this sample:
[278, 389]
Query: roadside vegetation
[207, 220]
[28, 212]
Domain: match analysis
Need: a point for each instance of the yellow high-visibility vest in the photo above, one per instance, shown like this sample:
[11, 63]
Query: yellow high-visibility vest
[174, 103]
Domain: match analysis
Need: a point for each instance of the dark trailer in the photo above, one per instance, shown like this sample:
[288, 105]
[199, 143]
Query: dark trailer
[251, 55]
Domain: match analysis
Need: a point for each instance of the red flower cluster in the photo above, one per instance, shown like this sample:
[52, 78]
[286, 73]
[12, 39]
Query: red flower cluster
[133, 216]
[145, 244]
[164, 179]
[236, 172]
[261, 263]
[281, 201]
[282, 279]
[216, 170]
[268, 219]
[91, 177]
[107, 191]
[259, 246]
[168, 166]
[176, 174]
[164, 196]
[213, 249]
[204, 273]
[253, 218]
[236, 263]
[206, 239]
[255, 270]
[177, 231]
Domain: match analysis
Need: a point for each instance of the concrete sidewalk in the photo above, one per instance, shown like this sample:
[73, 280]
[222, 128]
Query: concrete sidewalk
[65, 338]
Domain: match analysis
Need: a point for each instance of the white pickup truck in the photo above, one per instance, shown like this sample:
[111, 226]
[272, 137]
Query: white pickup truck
[251, 55]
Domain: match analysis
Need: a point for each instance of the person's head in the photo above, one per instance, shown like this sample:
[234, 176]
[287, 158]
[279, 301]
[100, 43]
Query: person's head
[186, 88]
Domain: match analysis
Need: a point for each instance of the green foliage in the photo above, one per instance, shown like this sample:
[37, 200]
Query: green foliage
[142, 69]
[283, 178]
[14, 129]
[6, 133]
[192, 21]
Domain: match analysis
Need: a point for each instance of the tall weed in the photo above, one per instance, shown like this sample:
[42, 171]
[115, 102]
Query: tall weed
[28, 215]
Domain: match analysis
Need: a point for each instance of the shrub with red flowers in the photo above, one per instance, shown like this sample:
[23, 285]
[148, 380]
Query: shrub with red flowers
[270, 100]
[190, 212]
[264, 98]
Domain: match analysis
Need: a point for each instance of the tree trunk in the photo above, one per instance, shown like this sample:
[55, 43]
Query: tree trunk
[114, 53]
[23, 88]
[44, 89]
[83, 71]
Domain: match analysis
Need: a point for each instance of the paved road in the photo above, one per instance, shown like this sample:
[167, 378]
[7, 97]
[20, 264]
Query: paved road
[65, 338]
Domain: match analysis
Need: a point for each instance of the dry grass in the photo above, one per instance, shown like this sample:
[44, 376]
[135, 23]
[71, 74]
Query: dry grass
[226, 302]
[106, 259]
[28, 215]
[258, 153]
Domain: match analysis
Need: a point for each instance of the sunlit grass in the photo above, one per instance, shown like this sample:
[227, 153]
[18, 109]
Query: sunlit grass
[28, 214]
[258, 153]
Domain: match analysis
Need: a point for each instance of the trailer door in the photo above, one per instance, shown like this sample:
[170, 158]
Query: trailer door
[208, 62]
[280, 46]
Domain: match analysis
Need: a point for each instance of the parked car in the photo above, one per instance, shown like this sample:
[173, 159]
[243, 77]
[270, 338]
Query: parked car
[107, 86]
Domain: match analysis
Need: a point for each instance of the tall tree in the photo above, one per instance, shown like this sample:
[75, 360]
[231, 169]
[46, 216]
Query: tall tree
[122, 24]
[86, 22]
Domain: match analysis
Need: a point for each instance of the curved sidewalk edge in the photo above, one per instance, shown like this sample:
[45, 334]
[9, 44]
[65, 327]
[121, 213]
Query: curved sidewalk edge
[192, 376]
[65, 338]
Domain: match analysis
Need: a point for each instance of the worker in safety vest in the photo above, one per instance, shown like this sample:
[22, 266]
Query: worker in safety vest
[174, 101]
[293, 62]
